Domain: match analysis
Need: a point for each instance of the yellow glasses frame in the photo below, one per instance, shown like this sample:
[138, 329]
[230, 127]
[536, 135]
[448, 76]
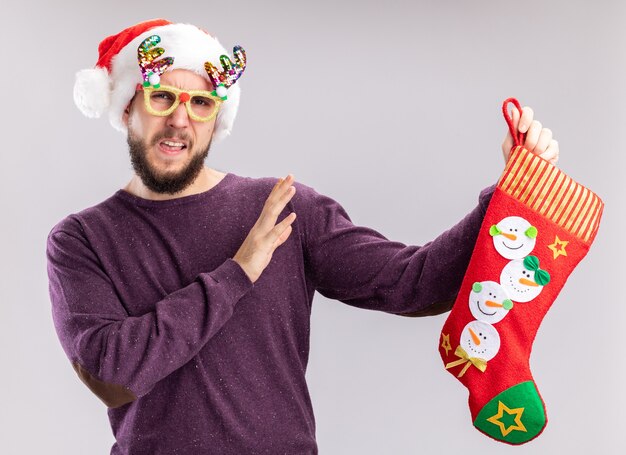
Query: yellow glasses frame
[188, 94]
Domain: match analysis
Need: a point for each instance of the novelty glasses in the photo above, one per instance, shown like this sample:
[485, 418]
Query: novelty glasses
[201, 105]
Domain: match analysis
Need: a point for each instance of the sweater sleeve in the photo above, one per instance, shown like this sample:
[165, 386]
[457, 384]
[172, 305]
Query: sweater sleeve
[361, 267]
[121, 357]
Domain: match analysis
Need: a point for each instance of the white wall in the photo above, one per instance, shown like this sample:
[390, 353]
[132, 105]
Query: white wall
[393, 109]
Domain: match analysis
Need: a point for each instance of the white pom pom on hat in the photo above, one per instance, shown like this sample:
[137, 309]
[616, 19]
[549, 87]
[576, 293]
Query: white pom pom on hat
[111, 84]
[92, 91]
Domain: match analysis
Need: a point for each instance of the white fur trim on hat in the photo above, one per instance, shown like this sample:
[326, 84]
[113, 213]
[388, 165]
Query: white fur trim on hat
[95, 91]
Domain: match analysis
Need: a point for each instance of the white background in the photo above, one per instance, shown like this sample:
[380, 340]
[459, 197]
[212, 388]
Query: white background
[391, 108]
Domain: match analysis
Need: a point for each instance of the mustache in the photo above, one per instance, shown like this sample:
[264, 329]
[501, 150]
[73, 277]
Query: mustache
[172, 133]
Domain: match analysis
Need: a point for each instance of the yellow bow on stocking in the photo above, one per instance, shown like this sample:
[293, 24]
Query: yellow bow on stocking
[479, 363]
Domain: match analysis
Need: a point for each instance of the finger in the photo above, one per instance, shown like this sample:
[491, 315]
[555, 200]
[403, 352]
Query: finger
[275, 202]
[280, 203]
[543, 142]
[532, 136]
[277, 232]
[282, 238]
[279, 187]
[280, 227]
[526, 120]
[274, 191]
[515, 117]
[552, 152]
[270, 213]
[550, 157]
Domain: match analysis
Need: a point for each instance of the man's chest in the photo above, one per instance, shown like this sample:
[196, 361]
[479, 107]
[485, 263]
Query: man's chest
[152, 261]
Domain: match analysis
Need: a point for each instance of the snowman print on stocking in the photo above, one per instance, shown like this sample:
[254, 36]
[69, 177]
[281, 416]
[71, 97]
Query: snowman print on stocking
[513, 237]
[521, 280]
[480, 342]
[489, 302]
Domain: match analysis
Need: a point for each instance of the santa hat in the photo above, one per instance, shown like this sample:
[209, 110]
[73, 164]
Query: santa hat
[112, 83]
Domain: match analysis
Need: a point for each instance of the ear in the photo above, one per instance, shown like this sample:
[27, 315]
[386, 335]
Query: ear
[128, 111]
[126, 114]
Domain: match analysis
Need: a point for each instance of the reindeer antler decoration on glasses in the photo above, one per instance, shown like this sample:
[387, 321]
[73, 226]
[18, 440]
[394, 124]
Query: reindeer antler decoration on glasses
[152, 69]
[222, 80]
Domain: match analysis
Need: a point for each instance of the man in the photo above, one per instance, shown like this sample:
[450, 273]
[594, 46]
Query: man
[181, 301]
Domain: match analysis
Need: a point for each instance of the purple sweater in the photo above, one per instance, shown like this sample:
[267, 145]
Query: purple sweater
[188, 354]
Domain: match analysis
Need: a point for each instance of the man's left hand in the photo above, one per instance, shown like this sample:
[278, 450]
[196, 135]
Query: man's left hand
[538, 139]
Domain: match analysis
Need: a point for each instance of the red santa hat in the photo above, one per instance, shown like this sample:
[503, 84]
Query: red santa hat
[111, 85]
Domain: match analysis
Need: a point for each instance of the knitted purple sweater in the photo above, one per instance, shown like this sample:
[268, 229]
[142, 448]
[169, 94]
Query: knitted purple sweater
[188, 354]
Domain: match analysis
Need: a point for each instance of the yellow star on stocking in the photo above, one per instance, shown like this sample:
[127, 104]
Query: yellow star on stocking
[446, 342]
[558, 247]
[502, 408]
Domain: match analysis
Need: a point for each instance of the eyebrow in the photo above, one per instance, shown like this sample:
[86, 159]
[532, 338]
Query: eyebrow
[173, 84]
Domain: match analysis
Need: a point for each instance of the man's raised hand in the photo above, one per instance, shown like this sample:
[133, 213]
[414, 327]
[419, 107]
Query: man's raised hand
[265, 236]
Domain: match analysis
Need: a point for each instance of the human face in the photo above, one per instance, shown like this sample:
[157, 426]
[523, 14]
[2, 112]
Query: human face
[168, 152]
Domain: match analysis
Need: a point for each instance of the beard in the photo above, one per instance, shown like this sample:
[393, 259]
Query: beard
[166, 182]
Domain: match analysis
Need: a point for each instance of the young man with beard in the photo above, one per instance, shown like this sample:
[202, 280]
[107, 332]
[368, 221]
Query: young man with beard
[182, 301]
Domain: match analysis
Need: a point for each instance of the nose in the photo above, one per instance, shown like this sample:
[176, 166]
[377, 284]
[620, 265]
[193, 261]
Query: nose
[474, 337]
[179, 118]
[528, 282]
[510, 236]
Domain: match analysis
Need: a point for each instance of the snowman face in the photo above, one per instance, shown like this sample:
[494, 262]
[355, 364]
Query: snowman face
[514, 237]
[489, 302]
[481, 340]
[519, 282]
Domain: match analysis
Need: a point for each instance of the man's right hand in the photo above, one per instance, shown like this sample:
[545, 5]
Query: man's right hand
[265, 236]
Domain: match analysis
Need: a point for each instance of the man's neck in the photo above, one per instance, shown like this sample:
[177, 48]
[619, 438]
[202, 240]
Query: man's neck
[207, 179]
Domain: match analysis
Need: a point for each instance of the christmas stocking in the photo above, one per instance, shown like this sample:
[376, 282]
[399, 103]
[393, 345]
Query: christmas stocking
[539, 224]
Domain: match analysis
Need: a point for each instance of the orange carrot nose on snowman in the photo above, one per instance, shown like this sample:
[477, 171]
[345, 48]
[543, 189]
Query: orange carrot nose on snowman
[527, 282]
[506, 304]
[509, 236]
[475, 337]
